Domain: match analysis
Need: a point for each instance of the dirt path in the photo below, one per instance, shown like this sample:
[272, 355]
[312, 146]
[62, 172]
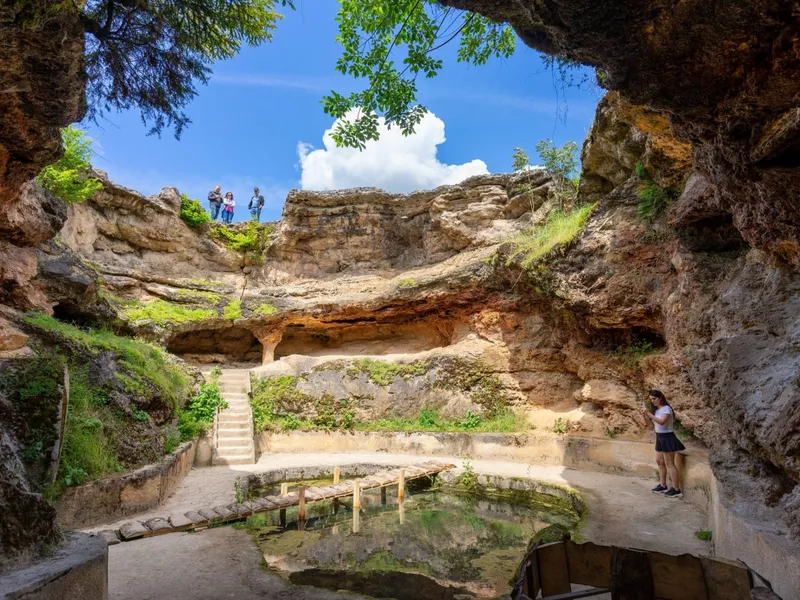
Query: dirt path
[224, 563]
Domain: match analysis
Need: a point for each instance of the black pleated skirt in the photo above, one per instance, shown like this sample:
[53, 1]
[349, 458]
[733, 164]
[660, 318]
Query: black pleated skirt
[668, 442]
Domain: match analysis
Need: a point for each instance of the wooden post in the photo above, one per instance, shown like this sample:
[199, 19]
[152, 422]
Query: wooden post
[356, 495]
[356, 520]
[284, 489]
[383, 495]
[61, 423]
[337, 473]
[301, 506]
[401, 485]
[402, 510]
[282, 517]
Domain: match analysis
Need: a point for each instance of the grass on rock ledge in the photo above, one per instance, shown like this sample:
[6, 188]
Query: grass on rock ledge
[429, 421]
[537, 241]
[146, 361]
[164, 313]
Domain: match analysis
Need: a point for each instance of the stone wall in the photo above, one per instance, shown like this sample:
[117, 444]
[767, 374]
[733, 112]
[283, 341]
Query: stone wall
[78, 570]
[112, 498]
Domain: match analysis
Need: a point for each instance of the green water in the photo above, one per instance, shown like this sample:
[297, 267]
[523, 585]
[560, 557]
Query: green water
[438, 545]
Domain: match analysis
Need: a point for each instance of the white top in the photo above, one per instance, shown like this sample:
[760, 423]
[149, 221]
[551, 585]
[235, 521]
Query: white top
[667, 426]
[228, 202]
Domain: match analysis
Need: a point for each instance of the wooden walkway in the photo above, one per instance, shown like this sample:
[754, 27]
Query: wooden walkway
[202, 518]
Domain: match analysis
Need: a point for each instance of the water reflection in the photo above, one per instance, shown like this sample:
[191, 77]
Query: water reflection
[431, 545]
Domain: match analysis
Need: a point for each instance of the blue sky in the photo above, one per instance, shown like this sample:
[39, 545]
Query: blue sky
[263, 107]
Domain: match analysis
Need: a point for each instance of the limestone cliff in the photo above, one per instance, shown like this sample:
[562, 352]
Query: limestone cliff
[725, 74]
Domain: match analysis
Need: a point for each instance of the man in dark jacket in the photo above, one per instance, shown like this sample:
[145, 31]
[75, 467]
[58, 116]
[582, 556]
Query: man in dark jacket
[214, 202]
[255, 206]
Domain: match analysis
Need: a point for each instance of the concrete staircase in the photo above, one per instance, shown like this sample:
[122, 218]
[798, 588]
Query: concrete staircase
[234, 443]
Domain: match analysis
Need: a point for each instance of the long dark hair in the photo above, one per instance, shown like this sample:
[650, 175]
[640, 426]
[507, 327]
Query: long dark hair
[660, 395]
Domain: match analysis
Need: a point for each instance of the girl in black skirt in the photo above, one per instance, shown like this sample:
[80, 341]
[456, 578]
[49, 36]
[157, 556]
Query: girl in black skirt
[667, 444]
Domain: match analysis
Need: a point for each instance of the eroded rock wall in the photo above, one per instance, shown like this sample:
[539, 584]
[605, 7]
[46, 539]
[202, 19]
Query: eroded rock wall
[723, 71]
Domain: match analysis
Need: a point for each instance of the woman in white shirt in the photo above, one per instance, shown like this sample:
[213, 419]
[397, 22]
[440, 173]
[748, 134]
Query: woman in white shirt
[227, 208]
[667, 444]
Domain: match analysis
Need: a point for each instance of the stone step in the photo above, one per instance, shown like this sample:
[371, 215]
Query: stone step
[235, 412]
[230, 420]
[235, 395]
[235, 426]
[240, 404]
[234, 435]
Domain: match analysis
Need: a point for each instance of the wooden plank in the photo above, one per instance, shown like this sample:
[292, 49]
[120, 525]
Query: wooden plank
[239, 509]
[553, 569]
[631, 577]
[725, 579]
[677, 577]
[222, 511]
[589, 564]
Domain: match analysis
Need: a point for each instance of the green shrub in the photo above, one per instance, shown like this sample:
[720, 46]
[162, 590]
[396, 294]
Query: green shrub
[139, 414]
[427, 418]
[641, 172]
[250, 237]
[468, 480]
[198, 415]
[67, 178]
[408, 282]
[561, 162]
[560, 426]
[653, 200]
[265, 309]
[233, 311]
[703, 534]
[535, 242]
[193, 214]
[165, 313]
[470, 421]
[88, 451]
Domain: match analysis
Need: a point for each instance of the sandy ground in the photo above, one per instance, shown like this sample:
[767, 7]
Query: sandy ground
[225, 563]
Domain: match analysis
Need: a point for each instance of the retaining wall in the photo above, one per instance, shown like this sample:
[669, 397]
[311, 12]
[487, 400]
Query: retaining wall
[737, 536]
[112, 498]
[77, 570]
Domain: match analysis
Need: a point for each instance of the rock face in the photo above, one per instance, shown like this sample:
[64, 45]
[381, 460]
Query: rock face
[41, 89]
[725, 72]
[369, 229]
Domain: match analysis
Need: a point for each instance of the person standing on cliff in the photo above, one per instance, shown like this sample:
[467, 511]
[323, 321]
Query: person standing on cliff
[255, 205]
[227, 208]
[214, 202]
[667, 445]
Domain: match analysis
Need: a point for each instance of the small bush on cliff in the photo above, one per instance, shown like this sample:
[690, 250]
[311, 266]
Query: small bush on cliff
[193, 213]
[233, 310]
[250, 237]
[561, 162]
[67, 179]
[653, 200]
[165, 313]
[265, 309]
[560, 229]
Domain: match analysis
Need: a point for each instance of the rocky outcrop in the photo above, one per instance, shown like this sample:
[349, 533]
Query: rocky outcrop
[128, 233]
[366, 229]
[41, 89]
[725, 73]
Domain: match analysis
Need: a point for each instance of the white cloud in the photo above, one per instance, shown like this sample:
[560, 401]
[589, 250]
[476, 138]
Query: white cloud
[395, 163]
